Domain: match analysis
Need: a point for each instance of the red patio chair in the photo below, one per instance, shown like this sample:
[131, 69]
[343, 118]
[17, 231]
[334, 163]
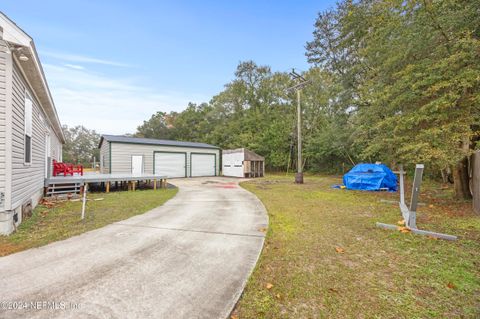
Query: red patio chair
[66, 169]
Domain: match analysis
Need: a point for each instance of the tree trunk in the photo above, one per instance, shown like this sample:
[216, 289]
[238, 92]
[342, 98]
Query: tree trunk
[461, 180]
[444, 176]
[476, 182]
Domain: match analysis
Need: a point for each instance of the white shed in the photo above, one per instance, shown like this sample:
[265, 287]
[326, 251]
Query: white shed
[241, 162]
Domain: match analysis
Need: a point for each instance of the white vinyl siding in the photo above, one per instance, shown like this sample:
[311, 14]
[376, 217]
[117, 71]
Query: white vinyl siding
[121, 155]
[203, 164]
[3, 88]
[105, 157]
[27, 118]
[56, 147]
[27, 180]
[27, 142]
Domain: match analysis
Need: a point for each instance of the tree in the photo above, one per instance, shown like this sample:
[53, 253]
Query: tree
[156, 127]
[256, 111]
[81, 145]
[412, 71]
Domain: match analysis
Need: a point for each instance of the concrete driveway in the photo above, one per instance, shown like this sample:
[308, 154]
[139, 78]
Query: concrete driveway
[189, 258]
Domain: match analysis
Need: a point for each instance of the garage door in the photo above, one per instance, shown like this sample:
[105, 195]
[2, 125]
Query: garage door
[203, 164]
[170, 164]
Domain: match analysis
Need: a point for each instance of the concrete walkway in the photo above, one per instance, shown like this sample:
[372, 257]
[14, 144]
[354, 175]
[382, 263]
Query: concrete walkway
[189, 258]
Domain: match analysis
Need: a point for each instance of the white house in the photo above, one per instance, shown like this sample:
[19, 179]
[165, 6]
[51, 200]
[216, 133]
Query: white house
[30, 131]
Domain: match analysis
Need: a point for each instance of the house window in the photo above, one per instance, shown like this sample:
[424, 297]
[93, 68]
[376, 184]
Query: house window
[28, 129]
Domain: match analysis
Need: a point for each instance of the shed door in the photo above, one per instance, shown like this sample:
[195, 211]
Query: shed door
[137, 165]
[203, 164]
[170, 164]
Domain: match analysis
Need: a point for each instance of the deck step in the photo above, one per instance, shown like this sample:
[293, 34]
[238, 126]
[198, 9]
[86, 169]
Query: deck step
[59, 189]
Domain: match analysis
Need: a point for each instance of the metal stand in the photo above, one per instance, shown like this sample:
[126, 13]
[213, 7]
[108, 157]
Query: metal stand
[409, 214]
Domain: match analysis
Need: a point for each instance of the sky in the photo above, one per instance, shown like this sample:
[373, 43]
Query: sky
[111, 64]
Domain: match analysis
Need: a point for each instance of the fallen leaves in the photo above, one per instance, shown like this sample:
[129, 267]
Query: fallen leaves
[339, 250]
[401, 222]
[269, 286]
[263, 229]
[47, 203]
[404, 229]
[233, 317]
[451, 286]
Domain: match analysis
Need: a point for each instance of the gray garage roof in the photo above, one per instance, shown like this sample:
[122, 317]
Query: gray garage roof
[152, 141]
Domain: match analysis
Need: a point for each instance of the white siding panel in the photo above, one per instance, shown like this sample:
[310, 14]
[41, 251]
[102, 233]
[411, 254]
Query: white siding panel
[27, 179]
[105, 157]
[3, 58]
[55, 147]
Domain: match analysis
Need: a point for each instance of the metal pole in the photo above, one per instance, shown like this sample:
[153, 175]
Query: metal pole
[402, 189]
[417, 181]
[84, 202]
[299, 175]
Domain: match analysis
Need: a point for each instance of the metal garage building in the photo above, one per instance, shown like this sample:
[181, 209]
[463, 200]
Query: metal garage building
[123, 154]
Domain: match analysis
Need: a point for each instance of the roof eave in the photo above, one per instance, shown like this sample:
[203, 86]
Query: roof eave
[33, 70]
[106, 138]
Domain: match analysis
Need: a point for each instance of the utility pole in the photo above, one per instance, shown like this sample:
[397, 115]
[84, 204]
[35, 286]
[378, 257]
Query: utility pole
[298, 88]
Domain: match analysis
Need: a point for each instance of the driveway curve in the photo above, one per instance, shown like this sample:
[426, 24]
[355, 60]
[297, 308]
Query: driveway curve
[189, 258]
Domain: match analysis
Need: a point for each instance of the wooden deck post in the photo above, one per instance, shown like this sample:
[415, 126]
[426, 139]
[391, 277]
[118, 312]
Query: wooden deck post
[108, 187]
[155, 184]
[133, 185]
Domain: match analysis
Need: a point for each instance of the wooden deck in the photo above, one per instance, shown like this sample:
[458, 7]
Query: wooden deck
[75, 184]
[99, 178]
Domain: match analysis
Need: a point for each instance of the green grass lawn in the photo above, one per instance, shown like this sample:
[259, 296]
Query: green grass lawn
[63, 219]
[376, 273]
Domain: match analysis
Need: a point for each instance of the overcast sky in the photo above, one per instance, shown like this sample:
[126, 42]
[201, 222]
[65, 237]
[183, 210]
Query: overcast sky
[111, 64]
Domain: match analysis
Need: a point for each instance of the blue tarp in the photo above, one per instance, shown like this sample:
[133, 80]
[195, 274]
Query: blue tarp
[370, 177]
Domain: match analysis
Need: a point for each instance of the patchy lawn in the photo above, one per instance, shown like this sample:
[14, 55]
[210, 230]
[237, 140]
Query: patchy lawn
[324, 257]
[62, 220]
